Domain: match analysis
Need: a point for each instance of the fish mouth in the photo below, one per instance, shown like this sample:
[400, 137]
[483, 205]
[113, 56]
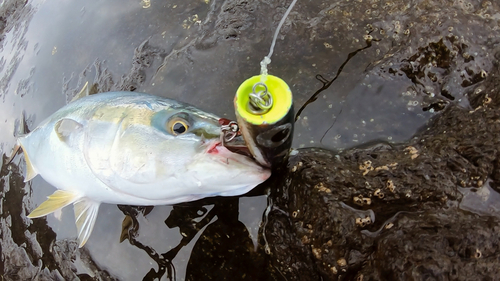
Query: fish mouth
[239, 158]
[216, 146]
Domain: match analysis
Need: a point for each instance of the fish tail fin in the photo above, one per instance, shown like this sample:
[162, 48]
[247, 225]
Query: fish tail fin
[56, 201]
[85, 216]
[30, 169]
[15, 150]
[83, 92]
[20, 130]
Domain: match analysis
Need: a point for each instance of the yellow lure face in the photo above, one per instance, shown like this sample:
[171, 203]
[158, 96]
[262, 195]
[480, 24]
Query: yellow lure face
[282, 100]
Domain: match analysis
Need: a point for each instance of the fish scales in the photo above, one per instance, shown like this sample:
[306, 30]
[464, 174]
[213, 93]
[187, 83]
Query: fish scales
[135, 149]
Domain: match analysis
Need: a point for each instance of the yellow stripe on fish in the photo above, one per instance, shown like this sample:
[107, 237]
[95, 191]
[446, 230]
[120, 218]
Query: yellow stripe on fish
[125, 115]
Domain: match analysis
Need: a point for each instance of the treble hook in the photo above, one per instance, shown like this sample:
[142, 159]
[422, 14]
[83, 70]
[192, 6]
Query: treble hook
[229, 132]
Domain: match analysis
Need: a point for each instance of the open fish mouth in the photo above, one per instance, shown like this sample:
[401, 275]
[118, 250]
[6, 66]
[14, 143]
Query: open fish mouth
[229, 150]
[238, 148]
[212, 147]
[240, 164]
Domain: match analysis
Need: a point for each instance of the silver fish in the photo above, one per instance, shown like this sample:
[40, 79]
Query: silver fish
[133, 149]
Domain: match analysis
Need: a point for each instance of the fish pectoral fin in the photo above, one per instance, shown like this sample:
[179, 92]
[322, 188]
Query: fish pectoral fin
[65, 127]
[56, 201]
[85, 217]
[83, 92]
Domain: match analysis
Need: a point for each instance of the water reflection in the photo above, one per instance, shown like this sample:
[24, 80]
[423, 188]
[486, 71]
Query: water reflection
[222, 244]
[192, 241]
[484, 200]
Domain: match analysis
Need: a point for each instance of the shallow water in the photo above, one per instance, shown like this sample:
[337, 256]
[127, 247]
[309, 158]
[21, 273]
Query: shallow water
[53, 50]
[199, 52]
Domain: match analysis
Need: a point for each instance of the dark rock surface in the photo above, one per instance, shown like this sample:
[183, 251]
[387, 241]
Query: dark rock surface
[394, 212]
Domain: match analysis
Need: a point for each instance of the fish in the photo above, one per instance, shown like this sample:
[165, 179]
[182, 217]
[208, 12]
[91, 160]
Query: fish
[132, 149]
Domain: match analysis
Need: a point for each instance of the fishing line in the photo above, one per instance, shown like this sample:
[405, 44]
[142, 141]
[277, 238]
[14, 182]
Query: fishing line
[267, 59]
[264, 111]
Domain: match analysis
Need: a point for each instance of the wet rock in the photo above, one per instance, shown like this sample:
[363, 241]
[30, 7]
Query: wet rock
[425, 49]
[10, 12]
[435, 245]
[392, 211]
[28, 248]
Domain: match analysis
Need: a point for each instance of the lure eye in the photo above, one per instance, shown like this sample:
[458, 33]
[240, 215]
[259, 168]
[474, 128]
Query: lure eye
[177, 126]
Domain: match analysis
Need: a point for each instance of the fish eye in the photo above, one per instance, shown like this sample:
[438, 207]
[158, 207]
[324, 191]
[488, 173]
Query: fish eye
[177, 126]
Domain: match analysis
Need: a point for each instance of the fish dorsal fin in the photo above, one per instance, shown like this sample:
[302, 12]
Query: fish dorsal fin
[56, 201]
[85, 217]
[84, 92]
[65, 127]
